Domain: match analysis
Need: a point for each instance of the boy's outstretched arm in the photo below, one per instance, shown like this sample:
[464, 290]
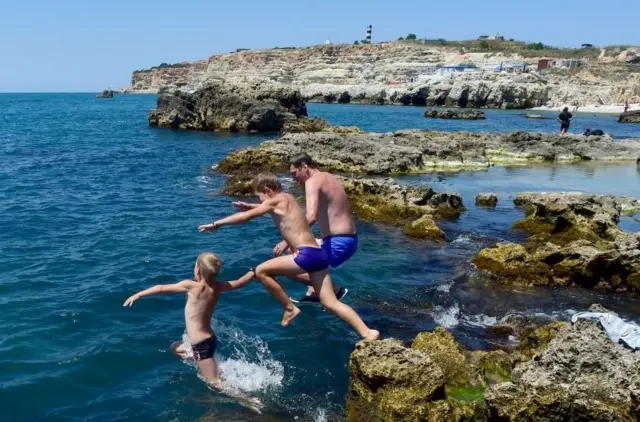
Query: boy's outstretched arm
[180, 287]
[239, 217]
[226, 286]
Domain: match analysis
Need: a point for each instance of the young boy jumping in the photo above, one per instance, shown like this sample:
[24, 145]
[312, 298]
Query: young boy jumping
[308, 257]
[202, 297]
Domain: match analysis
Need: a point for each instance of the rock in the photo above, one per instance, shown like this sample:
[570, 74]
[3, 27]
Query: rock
[574, 241]
[515, 325]
[580, 375]
[630, 117]
[424, 227]
[450, 356]
[593, 132]
[458, 115]
[256, 106]
[570, 216]
[423, 151]
[434, 380]
[315, 124]
[536, 116]
[107, 93]
[487, 199]
[392, 381]
[387, 201]
[238, 186]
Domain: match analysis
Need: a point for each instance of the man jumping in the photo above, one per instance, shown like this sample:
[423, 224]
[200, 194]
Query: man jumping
[326, 203]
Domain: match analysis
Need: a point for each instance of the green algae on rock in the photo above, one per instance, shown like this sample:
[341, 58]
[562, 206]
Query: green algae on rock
[574, 241]
[557, 372]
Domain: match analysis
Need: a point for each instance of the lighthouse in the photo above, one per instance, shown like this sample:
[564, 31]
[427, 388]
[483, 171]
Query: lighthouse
[368, 37]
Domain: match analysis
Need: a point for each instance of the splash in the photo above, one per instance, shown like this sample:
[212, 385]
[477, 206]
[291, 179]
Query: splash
[447, 317]
[248, 364]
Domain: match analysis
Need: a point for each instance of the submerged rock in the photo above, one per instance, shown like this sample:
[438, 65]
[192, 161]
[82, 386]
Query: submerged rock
[487, 199]
[247, 106]
[630, 117]
[457, 115]
[574, 241]
[424, 227]
[423, 151]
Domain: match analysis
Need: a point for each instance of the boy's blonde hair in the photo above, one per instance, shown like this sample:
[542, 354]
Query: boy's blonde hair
[266, 180]
[209, 265]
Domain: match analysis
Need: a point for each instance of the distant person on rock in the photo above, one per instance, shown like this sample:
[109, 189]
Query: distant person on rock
[565, 119]
[308, 258]
[326, 203]
[626, 106]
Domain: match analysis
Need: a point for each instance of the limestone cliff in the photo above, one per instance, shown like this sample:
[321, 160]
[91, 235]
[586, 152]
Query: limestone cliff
[362, 74]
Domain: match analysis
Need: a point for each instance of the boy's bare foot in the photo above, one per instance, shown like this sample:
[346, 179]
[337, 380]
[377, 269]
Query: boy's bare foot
[289, 315]
[372, 336]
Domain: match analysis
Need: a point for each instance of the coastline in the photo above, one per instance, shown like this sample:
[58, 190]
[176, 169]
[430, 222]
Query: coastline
[594, 109]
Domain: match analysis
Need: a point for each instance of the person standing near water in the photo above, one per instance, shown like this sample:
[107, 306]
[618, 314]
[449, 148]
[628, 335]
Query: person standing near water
[565, 119]
[326, 203]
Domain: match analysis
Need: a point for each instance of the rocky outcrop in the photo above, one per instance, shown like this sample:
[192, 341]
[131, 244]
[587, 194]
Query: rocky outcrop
[574, 241]
[455, 115]
[107, 93]
[580, 375]
[487, 199]
[255, 106]
[414, 207]
[557, 372]
[373, 74]
[316, 124]
[424, 151]
[630, 117]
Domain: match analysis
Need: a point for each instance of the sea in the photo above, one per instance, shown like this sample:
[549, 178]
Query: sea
[96, 205]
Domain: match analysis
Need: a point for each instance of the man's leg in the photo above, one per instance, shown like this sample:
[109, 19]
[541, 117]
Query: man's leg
[322, 284]
[282, 265]
[209, 370]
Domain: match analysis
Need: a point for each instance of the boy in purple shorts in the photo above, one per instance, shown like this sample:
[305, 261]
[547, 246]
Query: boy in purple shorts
[326, 203]
[308, 258]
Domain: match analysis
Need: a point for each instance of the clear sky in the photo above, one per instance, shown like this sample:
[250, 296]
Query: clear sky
[88, 45]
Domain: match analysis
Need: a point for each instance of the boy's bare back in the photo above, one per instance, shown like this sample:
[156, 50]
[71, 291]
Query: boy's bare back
[198, 311]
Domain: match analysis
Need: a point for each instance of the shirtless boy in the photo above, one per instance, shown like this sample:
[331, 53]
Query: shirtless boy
[202, 297]
[308, 258]
[326, 203]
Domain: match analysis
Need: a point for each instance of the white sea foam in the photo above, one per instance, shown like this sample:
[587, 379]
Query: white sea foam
[462, 239]
[445, 287]
[447, 317]
[250, 367]
[480, 320]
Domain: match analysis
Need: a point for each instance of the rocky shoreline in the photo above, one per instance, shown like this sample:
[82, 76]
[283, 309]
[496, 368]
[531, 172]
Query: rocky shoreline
[239, 106]
[415, 151]
[557, 372]
[574, 240]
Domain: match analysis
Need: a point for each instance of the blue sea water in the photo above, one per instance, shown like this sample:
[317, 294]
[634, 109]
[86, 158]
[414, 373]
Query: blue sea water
[95, 205]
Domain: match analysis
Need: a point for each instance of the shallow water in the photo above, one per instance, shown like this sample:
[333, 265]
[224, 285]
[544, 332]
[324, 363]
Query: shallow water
[95, 205]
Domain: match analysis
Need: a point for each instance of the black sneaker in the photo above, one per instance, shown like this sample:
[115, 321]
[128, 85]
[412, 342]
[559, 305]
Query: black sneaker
[342, 292]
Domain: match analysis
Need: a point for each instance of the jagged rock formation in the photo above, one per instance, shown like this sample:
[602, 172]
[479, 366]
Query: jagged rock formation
[107, 93]
[423, 151]
[630, 117]
[456, 115]
[255, 106]
[358, 74]
[558, 372]
[487, 199]
[574, 241]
